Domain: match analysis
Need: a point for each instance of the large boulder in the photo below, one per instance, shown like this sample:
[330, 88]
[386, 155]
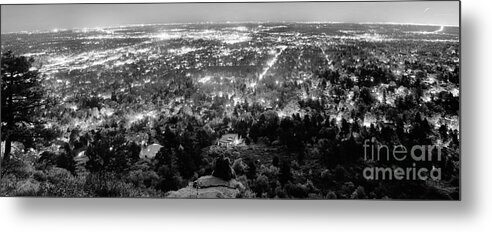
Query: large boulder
[212, 181]
[209, 187]
[217, 192]
[213, 192]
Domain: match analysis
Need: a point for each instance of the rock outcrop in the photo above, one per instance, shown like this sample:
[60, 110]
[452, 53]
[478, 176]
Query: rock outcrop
[209, 187]
[150, 151]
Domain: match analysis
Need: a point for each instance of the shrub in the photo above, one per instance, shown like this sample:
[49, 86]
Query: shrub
[56, 175]
[296, 190]
[17, 167]
[251, 170]
[276, 161]
[246, 194]
[326, 179]
[279, 192]
[359, 193]
[264, 140]
[243, 180]
[39, 176]
[59, 182]
[8, 185]
[46, 158]
[141, 178]
[261, 185]
[169, 179]
[239, 166]
[285, 174]
[346, 190]
[27, 188]
[315, 196]
[331, 195]
[66, 161]
[222, 168]
[108, 185]
[310, 186]
[270, 171]
[71, 187]
[340, 173]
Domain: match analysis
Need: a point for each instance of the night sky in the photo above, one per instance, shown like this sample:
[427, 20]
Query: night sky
[47, 17]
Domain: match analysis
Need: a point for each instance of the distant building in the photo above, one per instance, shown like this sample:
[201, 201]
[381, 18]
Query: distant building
[150, 151]
[230, 140]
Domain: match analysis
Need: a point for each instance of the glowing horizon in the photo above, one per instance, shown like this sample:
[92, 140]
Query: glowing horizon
[48, 17]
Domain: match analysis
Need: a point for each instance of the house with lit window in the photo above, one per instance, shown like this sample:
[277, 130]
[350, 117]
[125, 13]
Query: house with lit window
[229, 140]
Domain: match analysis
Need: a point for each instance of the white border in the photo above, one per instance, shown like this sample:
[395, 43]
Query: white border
[470, 214]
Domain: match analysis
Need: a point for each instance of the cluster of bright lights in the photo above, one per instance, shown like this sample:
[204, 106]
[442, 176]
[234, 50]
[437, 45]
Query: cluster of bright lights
[205, 79]
[181, 51]
[229, 37]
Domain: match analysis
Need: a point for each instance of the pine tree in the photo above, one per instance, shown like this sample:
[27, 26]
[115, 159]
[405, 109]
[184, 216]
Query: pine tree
[22, 96]
[285, 174]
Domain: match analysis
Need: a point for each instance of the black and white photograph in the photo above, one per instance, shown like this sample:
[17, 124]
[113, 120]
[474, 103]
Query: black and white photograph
[250, 100]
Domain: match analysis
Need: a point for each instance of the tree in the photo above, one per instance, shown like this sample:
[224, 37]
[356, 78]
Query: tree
[222, 168]
[167, 169]
[285, 174]
[110, 152]
[366, 96]
[22, 96]
[251, 170]
[276, 161]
